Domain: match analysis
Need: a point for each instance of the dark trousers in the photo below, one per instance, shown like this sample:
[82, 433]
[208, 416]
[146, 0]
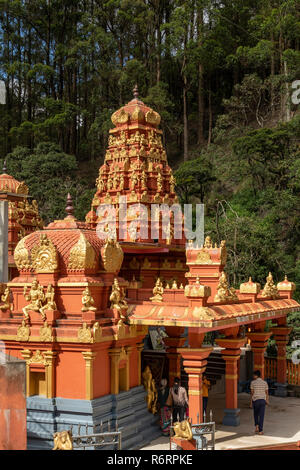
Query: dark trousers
[259, 413]
[178, 411]
[204, 401]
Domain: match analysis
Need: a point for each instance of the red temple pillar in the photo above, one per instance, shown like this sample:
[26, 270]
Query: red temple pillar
[173, 342]
[194, 363]
[281, 336]
[259, 342]
[231, 355]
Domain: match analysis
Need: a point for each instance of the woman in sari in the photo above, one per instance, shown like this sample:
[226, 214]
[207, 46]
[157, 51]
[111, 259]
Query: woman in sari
[165, 410]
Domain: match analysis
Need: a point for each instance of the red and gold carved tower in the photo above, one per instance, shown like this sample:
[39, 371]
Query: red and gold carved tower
[135, 166]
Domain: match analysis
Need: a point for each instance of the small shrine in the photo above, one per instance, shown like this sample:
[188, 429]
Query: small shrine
[80, 306]
[23, 214]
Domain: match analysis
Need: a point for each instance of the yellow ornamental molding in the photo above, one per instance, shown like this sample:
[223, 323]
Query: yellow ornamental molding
[44, 256]
[82, 255]
[37, 358]
[21, 255]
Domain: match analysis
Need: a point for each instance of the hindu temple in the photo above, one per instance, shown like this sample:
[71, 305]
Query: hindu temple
[78, 308]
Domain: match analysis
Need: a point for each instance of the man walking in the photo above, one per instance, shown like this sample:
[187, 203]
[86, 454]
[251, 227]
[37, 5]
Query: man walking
[259, 399]
[179, 399]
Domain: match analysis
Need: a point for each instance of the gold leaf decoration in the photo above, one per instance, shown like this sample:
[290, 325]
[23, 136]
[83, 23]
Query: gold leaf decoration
[112, 256]
[152, 118]
[203, 257]
[44, 256]
[137, 114]
[21, 256]
[23, 332]
[82, 255]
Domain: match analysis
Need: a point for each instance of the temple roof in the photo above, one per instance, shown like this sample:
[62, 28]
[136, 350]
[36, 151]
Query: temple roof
[135, 112]
[66, 246]
[209, 317]
[8, 184]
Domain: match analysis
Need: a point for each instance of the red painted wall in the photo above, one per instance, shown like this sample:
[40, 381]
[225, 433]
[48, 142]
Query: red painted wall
[13, 434]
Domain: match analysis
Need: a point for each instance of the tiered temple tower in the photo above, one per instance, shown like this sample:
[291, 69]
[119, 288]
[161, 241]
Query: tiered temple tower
[135, 166]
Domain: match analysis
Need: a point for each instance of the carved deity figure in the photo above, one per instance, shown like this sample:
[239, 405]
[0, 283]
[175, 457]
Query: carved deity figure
[49, 301]
[183, 430]
[207, 242]
[5, 298]
[87, 301]
[150, 387]
[172, 183]
[224, 292]
[159, 182]
[133, 180]
[117, 299]
[36, 297]
[63, 440]
[270, 290]
[158, 291]
[144, 180]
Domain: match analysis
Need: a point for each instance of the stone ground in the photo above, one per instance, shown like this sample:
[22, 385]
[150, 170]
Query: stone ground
[282, 424]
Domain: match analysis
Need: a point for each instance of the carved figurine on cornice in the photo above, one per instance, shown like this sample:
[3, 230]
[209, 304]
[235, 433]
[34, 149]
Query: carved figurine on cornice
[133, 196]
[144, 196]
[118, 300]
[270, 290]
[84, 334]
[5, 299]
[224, 293]
[49, 301]
[23, 332]
[174, 284]
[87, 301]
[46, 335]
[44, 256]
[35, 297]
[158, 291]
[207, 242]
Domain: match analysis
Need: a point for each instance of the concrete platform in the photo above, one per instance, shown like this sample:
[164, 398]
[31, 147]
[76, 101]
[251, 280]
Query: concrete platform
[282, 424]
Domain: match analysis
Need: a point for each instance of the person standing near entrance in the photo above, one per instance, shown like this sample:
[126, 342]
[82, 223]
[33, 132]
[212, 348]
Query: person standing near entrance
[259, 398]
[205, 389]
[179, 399]
[165, 410]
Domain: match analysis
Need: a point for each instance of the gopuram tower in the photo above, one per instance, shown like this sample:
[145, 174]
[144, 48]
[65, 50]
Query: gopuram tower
[135, 170]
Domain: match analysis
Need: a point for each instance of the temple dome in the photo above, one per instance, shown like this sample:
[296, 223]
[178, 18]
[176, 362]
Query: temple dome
[67, 246]
[135, 112]
[8, 184]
